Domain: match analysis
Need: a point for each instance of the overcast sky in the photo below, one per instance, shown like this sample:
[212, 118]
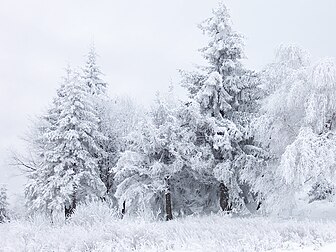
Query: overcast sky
[141, 44]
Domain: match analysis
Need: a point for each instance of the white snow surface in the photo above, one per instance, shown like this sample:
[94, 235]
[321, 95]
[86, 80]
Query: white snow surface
[97, 228]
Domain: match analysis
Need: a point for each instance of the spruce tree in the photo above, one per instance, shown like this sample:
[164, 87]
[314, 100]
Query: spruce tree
[109, 146]
[69, 172]
[226, 93]
[91, 74]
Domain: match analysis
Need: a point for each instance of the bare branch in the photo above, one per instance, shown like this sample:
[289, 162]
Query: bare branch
[28, 165]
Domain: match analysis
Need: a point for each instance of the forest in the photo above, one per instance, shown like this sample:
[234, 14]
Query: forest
[240, 143]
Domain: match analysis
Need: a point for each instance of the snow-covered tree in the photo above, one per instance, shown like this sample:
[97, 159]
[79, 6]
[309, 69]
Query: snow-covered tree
[92, 74]
[4, 213]
[119, 117]
[69, 171]
[320, 104]
[92, 78]
[194, 145]
[124, 115]
[283, 84]
[38, 144]
[145, 169]
[311, 157]
[227, 94]
[296, 126]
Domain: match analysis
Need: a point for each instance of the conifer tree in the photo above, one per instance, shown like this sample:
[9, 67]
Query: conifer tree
[226, 93]
[92, 74]
[92, 77]
[69, 172]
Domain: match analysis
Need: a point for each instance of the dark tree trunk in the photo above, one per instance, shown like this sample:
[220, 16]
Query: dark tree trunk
[69, 210]
[123, 210]
[259, 205]
[169, 213]
[224, 197]
[51, 217]
[108, 187]
[107, 179]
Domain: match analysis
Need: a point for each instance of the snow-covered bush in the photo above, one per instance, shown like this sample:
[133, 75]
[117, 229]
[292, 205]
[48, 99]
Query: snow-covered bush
[88, 214]
[321, 191]
[194, 234]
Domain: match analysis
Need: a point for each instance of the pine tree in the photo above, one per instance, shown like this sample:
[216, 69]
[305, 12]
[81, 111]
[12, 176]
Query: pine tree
[69, 172]
[4, 214]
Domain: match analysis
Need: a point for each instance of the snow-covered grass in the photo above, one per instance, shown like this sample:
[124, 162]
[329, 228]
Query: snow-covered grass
[96, 228]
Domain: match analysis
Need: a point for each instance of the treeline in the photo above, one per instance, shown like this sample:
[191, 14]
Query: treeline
[243, 141]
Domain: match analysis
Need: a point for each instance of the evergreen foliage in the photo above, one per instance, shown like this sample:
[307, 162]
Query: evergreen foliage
[69, 170]
[241, 141]
[226, 93]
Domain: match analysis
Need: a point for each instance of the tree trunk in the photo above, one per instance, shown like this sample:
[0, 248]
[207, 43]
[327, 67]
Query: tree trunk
[224, 197]
[123, 210]
[169, 213]
[51, 217]
[69, 210]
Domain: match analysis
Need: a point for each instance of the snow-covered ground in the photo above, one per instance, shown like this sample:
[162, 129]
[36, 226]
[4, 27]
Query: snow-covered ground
[96, 229]
[327, 248]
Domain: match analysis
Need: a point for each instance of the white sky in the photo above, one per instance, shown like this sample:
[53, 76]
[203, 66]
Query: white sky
[141, 44]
